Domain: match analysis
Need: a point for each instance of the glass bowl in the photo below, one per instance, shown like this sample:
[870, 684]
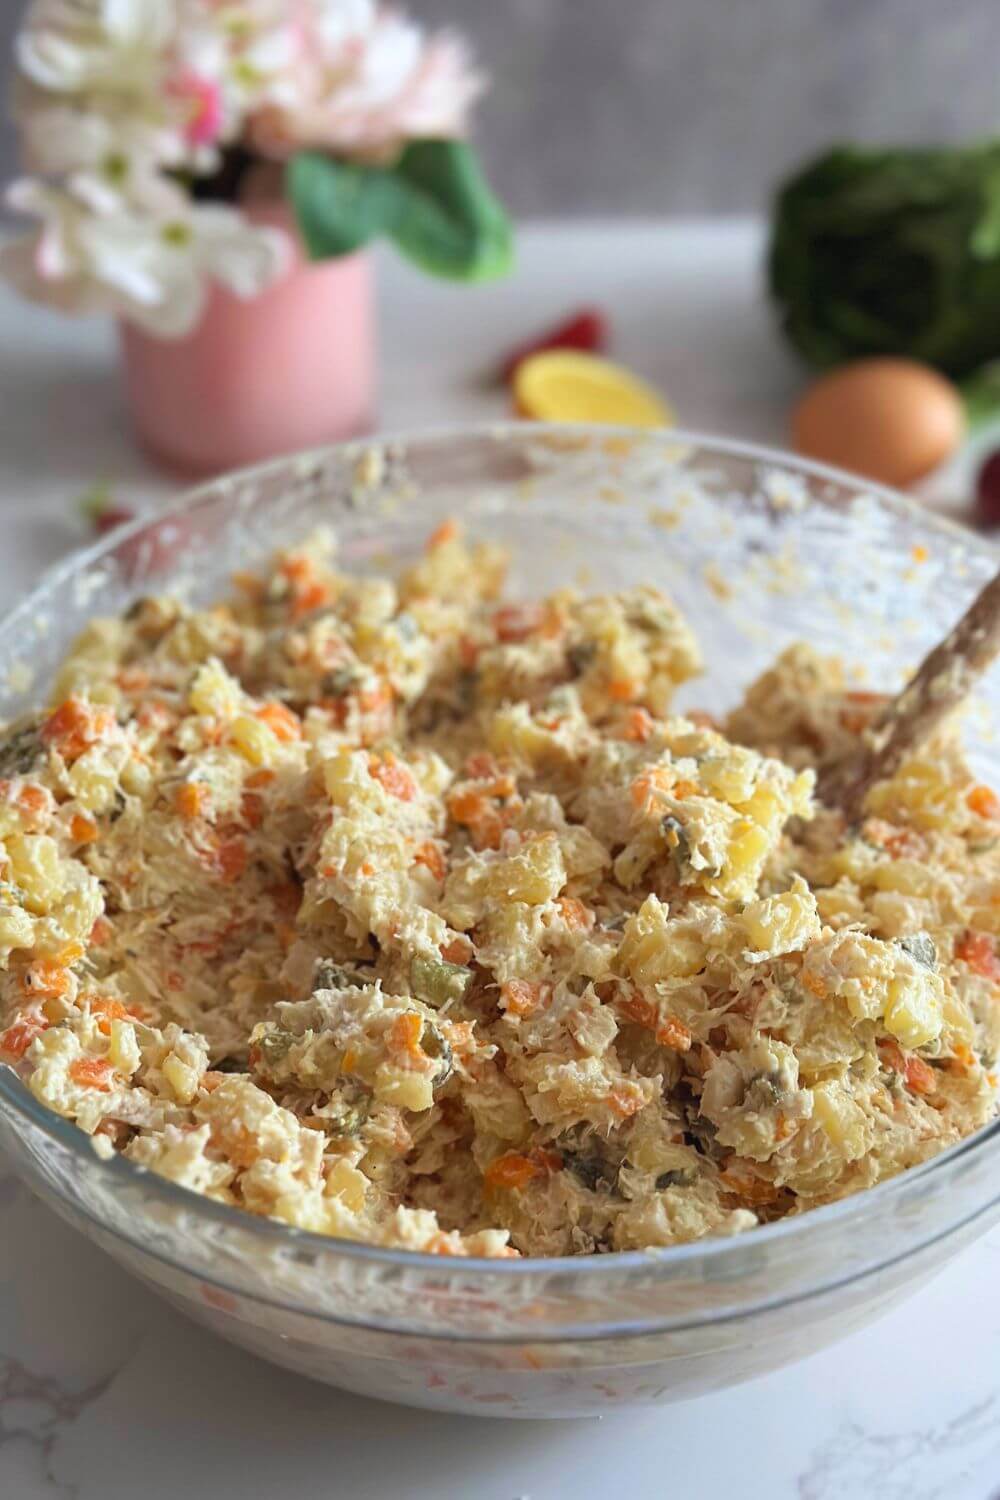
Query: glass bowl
[758, 549]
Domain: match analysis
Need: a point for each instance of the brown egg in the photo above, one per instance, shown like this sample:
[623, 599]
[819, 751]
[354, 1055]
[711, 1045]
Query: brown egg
[891, 420]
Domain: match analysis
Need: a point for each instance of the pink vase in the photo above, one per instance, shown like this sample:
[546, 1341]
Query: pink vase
[292, 368]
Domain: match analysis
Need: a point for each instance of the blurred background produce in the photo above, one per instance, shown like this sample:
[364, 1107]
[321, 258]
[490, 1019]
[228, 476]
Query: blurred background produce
[211, 176]
[873, 185]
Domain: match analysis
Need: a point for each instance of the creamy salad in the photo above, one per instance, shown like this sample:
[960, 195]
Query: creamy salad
[395, 912]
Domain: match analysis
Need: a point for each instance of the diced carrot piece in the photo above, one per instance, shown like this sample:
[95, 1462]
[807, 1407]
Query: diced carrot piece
[918, 1077]
[977, 949]
[640, 1011]
[467, 805]
[964, 1057]
[47, 978]
[396, 779]
[625, 1100]
[305, 600]
[34, 802]
[15, 1041]
[191, 799]
[521, 997]
[815, 984]
[107, 1010]
[75, 726]
[739, 1177]
[673, 1033]
[101, 932]
[622, 689]
[280, 719]
[984, 802]
[511, 1171]
[578, 918]
[232, 859]
[83, 830]
[92, 1073]
[458, 950]
[446, 532]
[297, 569]
[430, 854]
[638, 726]
[403, 1036]
[515, 622]
[261, 778]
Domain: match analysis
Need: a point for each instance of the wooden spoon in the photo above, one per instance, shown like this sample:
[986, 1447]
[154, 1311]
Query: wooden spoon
[944, 678]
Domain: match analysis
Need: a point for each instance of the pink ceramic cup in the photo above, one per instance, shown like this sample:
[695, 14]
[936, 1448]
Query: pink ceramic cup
[292, 368]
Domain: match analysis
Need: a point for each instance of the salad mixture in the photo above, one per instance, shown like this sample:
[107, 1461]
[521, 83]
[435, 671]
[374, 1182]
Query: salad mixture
[396, 912]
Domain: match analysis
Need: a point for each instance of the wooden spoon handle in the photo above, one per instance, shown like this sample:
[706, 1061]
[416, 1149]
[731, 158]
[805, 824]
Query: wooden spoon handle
[944, 678]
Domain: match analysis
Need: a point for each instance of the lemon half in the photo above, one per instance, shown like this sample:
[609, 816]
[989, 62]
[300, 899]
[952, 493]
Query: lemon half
[561, 385]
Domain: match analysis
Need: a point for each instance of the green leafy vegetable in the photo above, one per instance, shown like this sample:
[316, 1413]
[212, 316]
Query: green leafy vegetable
[980, 393]
[434, 203]
[891, 252]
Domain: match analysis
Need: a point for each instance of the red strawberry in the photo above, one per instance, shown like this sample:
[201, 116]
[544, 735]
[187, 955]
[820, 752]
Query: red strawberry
[586, 329]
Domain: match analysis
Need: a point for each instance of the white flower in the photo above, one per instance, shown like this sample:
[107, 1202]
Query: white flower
[95, 252]
[70, 46]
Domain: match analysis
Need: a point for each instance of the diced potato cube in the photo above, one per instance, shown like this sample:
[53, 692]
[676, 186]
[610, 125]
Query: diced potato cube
[124, 1050]
[348, 1184]
[16, 931]
[534, 875]
[94, 780]
[653, 948]
[781, 924]
[914, 1013]
[406, 1090]
[215, 692]
[181, 1078]
[37, 868]
[255, 741]
[841, 1118]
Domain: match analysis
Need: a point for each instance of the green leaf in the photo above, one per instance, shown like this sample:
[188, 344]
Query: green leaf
[340, 206]
[433, 202]
[452, 224]
[980, 394]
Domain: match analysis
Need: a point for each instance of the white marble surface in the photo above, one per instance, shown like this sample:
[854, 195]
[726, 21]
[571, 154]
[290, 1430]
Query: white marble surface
[107, 1394]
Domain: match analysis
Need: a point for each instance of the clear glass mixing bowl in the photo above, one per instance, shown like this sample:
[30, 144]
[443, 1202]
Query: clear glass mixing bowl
[758, 549]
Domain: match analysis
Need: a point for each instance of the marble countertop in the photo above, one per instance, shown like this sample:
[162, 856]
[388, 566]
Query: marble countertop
[108, 1394]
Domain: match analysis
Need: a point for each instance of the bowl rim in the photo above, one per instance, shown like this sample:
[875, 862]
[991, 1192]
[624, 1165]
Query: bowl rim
[18, 1099]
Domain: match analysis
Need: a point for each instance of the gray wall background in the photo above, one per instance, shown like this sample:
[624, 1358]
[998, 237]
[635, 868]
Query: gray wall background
[691, 106]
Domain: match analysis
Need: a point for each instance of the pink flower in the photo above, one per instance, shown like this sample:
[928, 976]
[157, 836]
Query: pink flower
[366, 91]
[206, 113]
